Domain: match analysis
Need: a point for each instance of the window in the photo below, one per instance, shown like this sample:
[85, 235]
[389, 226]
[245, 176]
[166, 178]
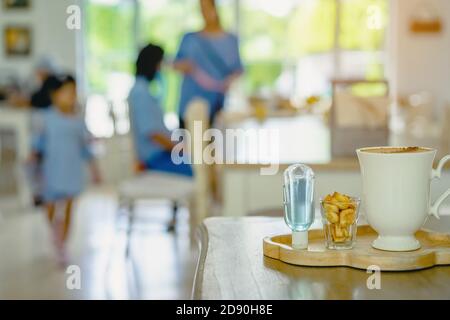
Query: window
[292, 48]
[362, 39]
[110, 52]
[277, 37]
[110, 46]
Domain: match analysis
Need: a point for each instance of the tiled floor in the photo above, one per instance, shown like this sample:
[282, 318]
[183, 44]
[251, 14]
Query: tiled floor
[161, 265]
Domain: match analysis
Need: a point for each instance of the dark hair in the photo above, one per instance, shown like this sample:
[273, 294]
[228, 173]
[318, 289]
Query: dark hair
[148, 60]
[54, 83]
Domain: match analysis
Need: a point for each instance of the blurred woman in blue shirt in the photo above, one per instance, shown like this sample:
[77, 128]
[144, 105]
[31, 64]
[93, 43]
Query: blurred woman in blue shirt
[210, 62]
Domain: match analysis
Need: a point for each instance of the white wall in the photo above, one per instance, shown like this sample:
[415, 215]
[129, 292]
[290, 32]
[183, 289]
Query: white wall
[420, 62]
[47, 19]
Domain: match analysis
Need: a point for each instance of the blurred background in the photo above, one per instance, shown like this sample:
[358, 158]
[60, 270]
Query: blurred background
[330, 75]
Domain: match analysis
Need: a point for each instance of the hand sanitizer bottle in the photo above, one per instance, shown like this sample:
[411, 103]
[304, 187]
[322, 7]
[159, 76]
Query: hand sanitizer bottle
[298, 192]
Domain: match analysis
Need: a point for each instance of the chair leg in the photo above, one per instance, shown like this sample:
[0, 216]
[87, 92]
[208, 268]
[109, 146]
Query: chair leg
[131, 216]
[174, 210]
[172, 223]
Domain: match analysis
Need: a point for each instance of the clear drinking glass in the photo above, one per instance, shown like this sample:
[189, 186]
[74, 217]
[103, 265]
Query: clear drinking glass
[340, 222]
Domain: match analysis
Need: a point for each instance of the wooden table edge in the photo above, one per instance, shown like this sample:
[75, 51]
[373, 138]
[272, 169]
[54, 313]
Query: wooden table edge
[202, 241]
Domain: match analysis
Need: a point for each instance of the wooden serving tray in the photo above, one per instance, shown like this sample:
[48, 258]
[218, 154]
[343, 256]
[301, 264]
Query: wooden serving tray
[435, 250]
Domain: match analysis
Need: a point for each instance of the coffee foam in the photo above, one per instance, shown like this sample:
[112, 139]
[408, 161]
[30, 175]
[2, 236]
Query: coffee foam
[395, 150]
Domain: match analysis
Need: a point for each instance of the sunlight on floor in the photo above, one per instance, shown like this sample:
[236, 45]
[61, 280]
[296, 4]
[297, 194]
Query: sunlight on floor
[161, 265]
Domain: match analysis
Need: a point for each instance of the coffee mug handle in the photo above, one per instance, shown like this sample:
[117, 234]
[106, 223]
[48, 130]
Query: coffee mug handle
[436, 173]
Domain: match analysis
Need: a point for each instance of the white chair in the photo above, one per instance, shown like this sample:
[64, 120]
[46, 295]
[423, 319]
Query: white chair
[178, 189]
[153, 185]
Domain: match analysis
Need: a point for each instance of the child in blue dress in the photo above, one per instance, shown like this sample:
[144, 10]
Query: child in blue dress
[63, 141]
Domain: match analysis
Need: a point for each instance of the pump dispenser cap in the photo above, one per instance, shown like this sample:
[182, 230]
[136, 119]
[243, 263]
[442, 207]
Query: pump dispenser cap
[300, 240]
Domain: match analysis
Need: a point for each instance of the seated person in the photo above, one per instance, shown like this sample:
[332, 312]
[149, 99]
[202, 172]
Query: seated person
[151, 136]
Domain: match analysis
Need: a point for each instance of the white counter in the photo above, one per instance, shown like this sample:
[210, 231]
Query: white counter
[18, 121]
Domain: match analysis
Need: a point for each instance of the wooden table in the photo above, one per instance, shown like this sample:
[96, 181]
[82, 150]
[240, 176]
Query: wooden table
[232, 266]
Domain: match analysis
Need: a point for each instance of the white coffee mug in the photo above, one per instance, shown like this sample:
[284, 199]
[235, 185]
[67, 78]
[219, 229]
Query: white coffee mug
[396, 194]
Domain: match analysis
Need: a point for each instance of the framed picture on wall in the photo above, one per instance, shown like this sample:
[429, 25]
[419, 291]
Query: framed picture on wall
[17, 41]
[16, 4]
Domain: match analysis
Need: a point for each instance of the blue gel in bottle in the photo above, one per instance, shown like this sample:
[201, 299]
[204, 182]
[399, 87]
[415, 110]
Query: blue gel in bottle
[298, 192]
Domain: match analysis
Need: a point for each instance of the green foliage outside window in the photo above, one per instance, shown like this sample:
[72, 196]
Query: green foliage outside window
[109, 42]
[268, 42]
